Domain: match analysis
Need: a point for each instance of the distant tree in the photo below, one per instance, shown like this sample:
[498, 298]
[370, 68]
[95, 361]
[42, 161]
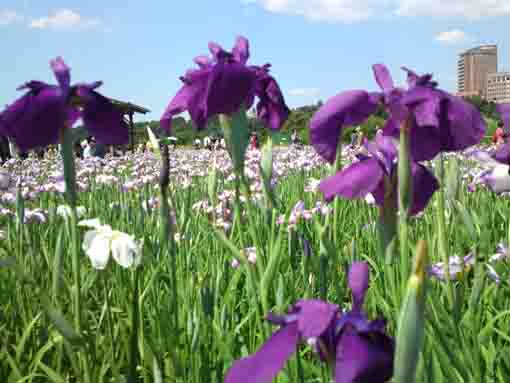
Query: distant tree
[486, 108]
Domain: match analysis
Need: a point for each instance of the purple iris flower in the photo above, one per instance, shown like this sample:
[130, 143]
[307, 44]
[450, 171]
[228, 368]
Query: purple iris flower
[377, 174]
[359, 350]
[222, 84]
[441, 122]
[497, 177]
[456, 267]
[34, 120]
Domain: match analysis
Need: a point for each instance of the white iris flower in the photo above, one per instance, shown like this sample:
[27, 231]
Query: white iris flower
[102, 241]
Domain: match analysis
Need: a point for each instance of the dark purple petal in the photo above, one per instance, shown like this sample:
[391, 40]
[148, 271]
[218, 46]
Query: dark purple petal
[392, 127]
[414, 80]
[62, 74]
[462, 125]
[424, 142]
[190, 97]
[241, 50]
[424, 186]
[356, 181]
[358, 283]
[101, 118]
[229, 86]
[347, 108]
[502, 155]
[35, 119]
[383, 77]
[265, 364]
[386, 145]
[459, 124]
[425, 104]
[34, 86]
[271, 108]
[363, 357]
[314, 317]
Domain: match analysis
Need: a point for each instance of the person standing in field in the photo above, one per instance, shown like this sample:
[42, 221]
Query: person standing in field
[361, 136]
[294, 137]
[89, 149]
[499, 135]
[254, 142]
[207, 142]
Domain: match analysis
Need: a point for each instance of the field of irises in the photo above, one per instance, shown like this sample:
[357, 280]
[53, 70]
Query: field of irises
[381, 262]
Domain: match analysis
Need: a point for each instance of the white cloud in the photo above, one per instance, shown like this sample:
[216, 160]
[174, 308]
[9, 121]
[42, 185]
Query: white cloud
[350, 11]
[453, 36]
[344, 11]
[304, 92]
[468, 9]
[8, 17]
[64, 19]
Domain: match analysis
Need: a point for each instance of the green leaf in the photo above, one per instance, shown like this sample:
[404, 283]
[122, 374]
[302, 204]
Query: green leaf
[58, 263]
[61, 324]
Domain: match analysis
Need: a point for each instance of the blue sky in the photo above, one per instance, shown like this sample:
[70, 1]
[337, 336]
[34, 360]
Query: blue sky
[317, 47]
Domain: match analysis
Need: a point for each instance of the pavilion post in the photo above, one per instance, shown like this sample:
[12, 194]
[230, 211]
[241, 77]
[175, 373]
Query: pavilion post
[131, 131]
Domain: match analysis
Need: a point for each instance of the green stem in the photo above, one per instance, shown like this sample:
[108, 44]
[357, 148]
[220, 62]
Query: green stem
[110, 328]
[404, 198]
[133, 352]
[443, 244]
[66, 146]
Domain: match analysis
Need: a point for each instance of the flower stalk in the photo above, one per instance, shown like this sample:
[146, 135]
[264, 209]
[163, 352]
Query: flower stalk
[66, 147]
[411, 324]
[405, 194]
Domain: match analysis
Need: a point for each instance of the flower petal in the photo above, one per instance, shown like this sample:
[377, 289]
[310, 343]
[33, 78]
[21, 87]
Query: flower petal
[424, 186]
[34, 119]
[358, 283]
[486, 158]
[347, 108]
[383, 77]
[363, 358]
[202, 61]
[314, 317]
[241, 50]
[190, 97]
[502, 155]
[62, 74]
[424, 142]
[97, 247]
[356, 181]
[229, 85]
[271, 108]
[459, 124]
[265, 364]
[125, 250]
[102, 119]
[93, 223]
[498, 180]
[216, 50]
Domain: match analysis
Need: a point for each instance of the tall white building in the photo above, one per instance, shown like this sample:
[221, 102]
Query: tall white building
[498, 87]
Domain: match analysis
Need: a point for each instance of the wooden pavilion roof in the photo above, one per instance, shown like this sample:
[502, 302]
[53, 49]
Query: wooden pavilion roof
[128, 107]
